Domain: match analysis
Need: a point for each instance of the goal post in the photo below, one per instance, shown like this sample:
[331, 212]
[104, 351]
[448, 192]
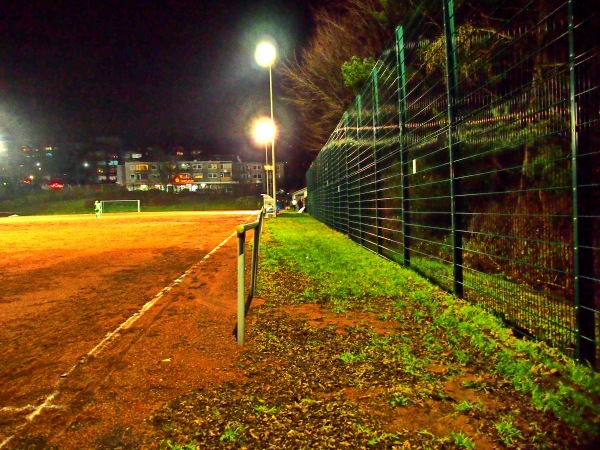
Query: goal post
[112, 206]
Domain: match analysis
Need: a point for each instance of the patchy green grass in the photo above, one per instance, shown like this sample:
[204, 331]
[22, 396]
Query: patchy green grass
[549, 319]
[461, 440]
[508, 432]
[352, 351]
[80, 200]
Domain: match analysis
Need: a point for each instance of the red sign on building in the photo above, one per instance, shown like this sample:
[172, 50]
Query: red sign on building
[183, 180]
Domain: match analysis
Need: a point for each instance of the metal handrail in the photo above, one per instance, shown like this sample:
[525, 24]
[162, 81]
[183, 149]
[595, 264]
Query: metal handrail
[243, 302]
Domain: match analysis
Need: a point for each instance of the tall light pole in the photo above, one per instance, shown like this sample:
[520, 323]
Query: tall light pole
[265, 55]
[266, 167]
[264, 131]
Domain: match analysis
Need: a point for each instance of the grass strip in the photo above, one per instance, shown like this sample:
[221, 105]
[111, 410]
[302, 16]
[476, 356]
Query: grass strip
[353, 351]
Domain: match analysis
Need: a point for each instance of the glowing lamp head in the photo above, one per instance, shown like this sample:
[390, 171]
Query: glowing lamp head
[265, 54]
[264, 130]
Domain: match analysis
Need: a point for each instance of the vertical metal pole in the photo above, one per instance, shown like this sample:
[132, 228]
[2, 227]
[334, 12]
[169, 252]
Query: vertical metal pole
[273, 144]
[346, 126]
[255, 251]
[404, 185]
[358, 128]
[336, 184]
[585, 339]
[266, 169]
[327, 191]
[376, 122]
[452, 96]
[241, 303]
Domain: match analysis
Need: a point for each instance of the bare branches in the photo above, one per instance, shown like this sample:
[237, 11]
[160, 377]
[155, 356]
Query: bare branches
[313, 80]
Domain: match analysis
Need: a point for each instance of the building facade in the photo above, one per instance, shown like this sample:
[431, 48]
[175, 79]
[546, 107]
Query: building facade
[196, 176]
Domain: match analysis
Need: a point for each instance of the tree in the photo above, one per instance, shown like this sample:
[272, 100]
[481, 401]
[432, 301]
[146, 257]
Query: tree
[166, 171]
[348, 36]
[356, 72]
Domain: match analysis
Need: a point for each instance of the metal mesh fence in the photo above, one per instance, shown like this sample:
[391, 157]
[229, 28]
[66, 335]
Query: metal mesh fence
[473, 156]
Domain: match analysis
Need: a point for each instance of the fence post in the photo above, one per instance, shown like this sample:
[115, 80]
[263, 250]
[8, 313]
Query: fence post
[345, 155]
[452, 95]
[255, 250]
[376, 122]
[241, 301]
[585, 339]
[400, 64]
[358, 129]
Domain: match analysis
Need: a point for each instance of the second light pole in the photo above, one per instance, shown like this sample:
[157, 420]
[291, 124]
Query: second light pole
[265, 55]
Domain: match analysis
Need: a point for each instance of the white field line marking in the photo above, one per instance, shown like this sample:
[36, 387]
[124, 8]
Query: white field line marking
[98, 348]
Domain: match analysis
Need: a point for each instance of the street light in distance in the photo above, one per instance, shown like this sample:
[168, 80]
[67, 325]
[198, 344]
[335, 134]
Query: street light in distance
[265, 56]
[264, 132]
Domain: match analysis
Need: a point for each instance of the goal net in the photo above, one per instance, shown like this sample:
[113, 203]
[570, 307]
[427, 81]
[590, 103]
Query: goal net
[113, 206]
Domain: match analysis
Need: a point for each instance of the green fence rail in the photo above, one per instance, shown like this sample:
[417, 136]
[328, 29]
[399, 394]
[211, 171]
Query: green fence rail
[473, 156]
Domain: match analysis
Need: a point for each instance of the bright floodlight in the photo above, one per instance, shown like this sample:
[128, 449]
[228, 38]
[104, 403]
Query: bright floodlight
[265, 54]
[264, 130]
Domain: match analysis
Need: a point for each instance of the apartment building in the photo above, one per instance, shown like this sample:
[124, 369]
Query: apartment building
[221, 175]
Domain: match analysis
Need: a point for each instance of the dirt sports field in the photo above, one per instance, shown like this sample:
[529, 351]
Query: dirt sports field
[102, 321]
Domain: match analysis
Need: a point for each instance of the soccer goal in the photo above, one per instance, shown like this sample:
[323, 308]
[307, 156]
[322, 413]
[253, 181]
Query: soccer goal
[113, 206]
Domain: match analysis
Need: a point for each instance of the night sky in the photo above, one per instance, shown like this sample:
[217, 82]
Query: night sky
[164, 72]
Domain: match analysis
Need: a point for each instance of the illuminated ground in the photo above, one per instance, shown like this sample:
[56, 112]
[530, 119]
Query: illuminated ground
[69, 375]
